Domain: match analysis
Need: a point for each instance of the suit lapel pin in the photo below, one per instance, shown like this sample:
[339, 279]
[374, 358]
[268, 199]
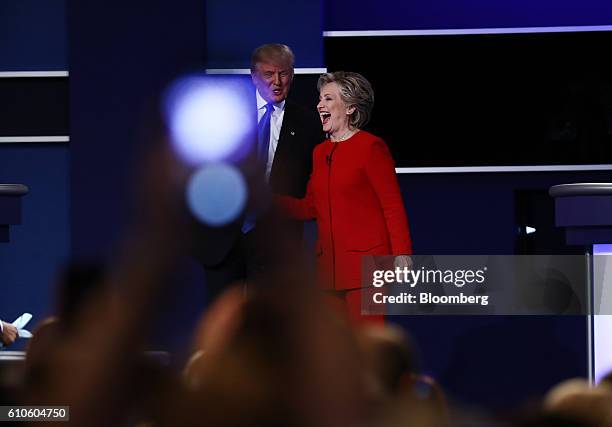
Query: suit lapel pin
[292, 133]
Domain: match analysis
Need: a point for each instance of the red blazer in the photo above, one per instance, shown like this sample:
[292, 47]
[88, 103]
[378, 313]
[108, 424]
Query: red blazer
[354, 195]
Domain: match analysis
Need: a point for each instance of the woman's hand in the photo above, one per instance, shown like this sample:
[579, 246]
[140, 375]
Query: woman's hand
[403, 261]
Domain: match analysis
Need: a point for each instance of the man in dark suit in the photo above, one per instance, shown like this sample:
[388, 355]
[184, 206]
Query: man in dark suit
[287, 134]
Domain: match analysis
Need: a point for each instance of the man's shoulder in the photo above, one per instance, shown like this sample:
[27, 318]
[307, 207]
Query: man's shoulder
[304, 121]
[300, 112]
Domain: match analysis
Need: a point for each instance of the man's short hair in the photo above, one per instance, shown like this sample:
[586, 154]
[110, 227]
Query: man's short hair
[273, 53]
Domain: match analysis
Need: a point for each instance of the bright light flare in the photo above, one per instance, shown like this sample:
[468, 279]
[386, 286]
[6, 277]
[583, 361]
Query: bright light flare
[210, 118]
[216, 194]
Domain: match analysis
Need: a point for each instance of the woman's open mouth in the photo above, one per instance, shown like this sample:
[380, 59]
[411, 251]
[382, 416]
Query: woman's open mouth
[325, 117]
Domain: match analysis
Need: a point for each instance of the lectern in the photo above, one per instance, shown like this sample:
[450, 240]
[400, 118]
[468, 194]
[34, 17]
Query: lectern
[585, 211]
[10, 207]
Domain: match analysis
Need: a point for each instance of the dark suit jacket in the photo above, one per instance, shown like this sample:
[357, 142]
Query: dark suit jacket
[291, 168]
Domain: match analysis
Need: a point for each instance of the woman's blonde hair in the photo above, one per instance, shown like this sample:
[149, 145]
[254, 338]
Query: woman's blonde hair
[355, 91]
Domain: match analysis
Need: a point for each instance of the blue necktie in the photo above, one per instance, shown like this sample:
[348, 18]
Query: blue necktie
[263, 135]
[263, 146]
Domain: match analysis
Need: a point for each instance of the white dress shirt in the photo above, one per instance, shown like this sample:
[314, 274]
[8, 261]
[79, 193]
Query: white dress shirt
[276, 123]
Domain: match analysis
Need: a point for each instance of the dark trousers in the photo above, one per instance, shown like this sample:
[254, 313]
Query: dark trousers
[273, 244]
[243, 264]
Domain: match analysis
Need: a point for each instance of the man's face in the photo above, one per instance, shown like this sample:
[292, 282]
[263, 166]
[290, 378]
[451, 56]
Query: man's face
[272, 80]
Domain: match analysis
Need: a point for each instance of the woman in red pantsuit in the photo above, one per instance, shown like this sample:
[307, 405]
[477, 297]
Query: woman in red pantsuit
[353, 193]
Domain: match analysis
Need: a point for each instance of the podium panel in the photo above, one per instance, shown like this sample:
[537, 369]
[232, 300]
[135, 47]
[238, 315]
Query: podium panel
[10, 207]
[585, 211]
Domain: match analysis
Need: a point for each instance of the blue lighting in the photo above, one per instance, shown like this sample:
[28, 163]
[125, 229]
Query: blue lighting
[210, 118]
[216, 194]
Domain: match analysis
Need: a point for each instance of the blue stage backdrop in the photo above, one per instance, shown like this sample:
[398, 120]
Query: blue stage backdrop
[350, 15]
[33, 35]
[235, 27]
[40, 244]
[33, 38]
